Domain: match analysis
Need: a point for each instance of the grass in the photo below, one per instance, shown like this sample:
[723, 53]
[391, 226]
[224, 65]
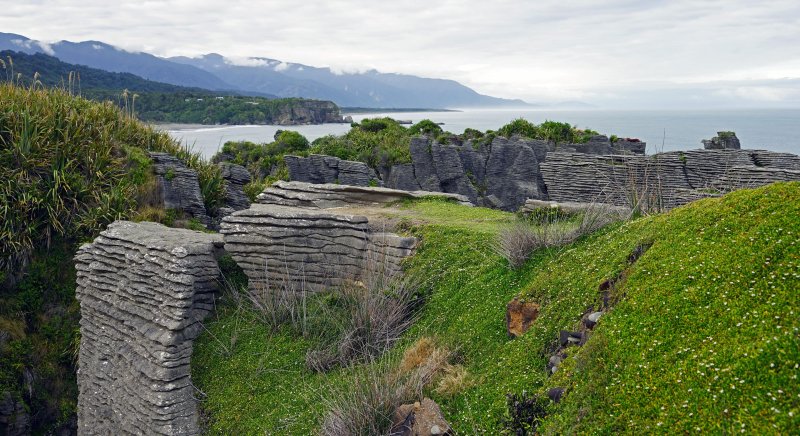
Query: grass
[712, 265]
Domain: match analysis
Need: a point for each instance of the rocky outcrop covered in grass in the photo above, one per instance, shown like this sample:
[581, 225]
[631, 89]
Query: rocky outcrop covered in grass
[143, 289]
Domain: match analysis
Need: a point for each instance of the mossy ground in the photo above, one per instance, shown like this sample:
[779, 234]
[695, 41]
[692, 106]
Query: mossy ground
[704, 334]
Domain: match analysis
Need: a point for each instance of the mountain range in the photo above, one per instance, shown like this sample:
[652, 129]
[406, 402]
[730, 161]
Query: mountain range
[266, 77]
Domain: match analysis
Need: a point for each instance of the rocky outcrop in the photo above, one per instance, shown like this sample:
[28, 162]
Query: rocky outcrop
[306, 112]
[324, 196]
[315, 248]
[723, 141]
[663, 180]
[601, 144]
[235, 176]
[328, 169]
[143, 290]
[178, 186]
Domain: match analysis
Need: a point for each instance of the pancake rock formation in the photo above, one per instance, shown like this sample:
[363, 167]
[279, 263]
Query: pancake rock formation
[143, 289]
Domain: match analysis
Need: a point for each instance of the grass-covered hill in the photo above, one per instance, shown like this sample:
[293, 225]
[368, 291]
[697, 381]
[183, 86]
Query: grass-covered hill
[701, 334]
[68, 167]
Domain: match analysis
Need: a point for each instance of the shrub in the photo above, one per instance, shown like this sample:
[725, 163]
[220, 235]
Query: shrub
[519, 126]
[425, 127]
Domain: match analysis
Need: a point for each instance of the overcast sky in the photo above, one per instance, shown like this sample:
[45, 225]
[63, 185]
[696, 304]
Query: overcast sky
[608, 53]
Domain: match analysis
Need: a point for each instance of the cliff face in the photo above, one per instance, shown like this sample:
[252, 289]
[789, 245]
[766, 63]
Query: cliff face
[307, 112]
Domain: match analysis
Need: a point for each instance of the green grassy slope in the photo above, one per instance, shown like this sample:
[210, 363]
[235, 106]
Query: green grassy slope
[704, 334]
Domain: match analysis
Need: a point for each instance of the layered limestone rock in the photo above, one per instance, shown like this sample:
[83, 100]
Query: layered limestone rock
[143, 289]
[664, 180]
[502, 173]
[178, 186]
[235, 176]
[328, 169]
[324, 196]
[279, 245]
[723, 141]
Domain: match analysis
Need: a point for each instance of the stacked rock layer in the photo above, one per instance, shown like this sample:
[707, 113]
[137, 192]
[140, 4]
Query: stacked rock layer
[143, 290]
[308, 249]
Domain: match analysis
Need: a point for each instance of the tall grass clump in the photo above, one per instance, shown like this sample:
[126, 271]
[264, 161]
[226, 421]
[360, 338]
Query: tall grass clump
[69, 166]
[551, 228]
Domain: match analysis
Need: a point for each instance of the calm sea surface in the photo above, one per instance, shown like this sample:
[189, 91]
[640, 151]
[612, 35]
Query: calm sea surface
[771, 129]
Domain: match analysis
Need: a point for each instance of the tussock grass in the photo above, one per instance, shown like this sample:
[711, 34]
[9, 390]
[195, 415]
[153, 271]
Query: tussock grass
[69, 166]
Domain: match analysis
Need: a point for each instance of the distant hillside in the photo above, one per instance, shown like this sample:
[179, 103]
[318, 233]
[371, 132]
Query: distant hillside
[370, 89]
[53, 72]
[96, 54]
[162, 102]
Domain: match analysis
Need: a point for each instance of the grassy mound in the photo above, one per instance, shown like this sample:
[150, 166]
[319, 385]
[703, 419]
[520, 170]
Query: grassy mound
[703, 332]
[68, 167]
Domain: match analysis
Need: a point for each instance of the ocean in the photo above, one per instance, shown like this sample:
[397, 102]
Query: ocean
[663, 130]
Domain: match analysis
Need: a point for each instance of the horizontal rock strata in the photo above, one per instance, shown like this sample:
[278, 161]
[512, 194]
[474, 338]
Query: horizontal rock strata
[324, 196]
[279, 245]
[235, 176]
[143, 289]
[664, 180]
[328, 169]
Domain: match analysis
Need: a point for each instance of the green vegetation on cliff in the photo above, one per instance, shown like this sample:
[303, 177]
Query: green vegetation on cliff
[702, 334]
[68, 168]
[160, 102]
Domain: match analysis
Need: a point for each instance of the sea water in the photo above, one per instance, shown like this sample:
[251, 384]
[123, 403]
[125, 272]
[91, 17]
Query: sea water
[663, 130]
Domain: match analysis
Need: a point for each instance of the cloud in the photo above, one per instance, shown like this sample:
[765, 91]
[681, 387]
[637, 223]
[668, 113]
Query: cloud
[509, 48]
[281, 66]
[246, 61]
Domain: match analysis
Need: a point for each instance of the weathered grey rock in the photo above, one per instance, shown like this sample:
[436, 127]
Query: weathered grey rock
[512, 175]
[662, 181]
[324, 196]
[236, 176]
[14, 418]
[178, 186]
[723, 141]
[277, 244]
[143, 289]
[571, 207]
[328, 169]
[424, 169]
[402, 177]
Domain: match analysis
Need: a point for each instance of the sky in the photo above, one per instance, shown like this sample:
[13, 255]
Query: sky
[620, 53]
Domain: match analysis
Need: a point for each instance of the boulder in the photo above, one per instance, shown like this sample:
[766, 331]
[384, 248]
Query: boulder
[519, 316]
[143, 290]
[178, 186]
[420, 419]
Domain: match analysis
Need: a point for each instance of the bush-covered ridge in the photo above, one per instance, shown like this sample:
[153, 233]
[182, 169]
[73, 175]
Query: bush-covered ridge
[709, 309]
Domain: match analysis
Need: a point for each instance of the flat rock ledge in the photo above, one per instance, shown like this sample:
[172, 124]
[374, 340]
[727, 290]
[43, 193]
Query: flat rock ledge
[309, 249]
[330, 195]
[143, 289]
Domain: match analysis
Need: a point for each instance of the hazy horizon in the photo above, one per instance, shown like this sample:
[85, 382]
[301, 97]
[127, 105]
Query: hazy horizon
[619, 54]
